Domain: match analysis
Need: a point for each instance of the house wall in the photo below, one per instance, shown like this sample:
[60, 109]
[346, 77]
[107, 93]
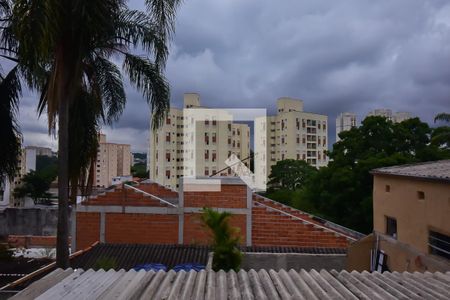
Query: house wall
[421, 215]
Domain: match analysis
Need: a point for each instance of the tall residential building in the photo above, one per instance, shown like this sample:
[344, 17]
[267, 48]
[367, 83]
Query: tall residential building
[345, 121]
[42, 151]
[401, 116]
[387, 113]
[215, 138]
[295, 134]
[113, 160]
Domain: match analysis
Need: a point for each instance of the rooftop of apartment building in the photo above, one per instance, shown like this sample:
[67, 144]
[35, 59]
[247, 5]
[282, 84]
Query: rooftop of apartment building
[434, 170]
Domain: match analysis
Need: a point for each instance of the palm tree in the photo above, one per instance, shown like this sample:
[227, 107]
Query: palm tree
[10, 92]
[442, 117]
[65, 48]
[10, 136]
[441, 135]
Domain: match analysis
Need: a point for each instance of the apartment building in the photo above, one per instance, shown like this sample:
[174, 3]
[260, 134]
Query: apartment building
[42, 151]
[296, 134]
[209, 142]
[396, 117]
[113, 160]
[345, 121]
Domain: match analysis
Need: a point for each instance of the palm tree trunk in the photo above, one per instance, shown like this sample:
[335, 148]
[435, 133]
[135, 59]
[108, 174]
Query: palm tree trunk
[62, 239]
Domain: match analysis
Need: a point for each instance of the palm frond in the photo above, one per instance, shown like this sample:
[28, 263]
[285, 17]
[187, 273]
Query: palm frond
[135, 28]
[10, 92]
[442, 117]
[146, 77]
[162, 12]
[83, 141]
[106, 79]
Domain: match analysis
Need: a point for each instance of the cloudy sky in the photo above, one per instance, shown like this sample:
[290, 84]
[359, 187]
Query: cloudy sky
[346, 55]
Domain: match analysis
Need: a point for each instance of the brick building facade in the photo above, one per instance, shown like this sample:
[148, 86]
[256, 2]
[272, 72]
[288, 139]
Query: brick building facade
[152, 214]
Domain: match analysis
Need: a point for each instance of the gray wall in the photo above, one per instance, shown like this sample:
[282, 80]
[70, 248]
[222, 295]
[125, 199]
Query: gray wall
[29, 221]
[295, 261]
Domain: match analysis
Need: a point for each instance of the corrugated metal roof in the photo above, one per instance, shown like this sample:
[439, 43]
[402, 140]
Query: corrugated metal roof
[79, 284]
[435, 170]
[308, 250]
[127, 256]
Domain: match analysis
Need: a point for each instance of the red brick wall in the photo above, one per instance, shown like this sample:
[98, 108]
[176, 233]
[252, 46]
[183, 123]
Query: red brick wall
[270, 228]
[230, 196]
[196, 233]
[157, 190]
[141, 228]
[88, 229]
[124, 197]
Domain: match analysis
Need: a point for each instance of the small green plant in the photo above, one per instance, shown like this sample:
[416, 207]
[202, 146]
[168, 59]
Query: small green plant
[5, 253]
[105, 263]
[227, 255]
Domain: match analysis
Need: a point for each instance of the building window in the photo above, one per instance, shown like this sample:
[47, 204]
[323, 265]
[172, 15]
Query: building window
[168, 174]
[206, 122]
[421, 195]
[439, 244]
[391, 227]
[214, 139]
[387, 188]
[168, 121]
[214, 155]
[206, 171]
[206, 138]
[214, 122]
[206, 154]
[168, 156]
[168, 137]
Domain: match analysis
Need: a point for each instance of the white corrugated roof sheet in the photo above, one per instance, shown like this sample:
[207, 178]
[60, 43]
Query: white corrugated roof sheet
[90, 284]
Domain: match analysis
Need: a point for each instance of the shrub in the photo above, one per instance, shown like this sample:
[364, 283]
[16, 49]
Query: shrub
[105, 263]
[227, 255]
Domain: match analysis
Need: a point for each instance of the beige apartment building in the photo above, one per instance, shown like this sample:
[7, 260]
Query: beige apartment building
[113, 160]
[291, 134]
[210, 142]
[344, 122]
[411, 219]
[395, 117]
[296, 134]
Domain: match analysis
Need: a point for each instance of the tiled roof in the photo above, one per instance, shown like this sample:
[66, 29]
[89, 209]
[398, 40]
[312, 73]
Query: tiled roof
[128, 256]
[79, 284]
[435, 170]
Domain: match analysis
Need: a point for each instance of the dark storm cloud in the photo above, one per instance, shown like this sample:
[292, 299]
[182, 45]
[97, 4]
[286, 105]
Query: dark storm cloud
[348, 55]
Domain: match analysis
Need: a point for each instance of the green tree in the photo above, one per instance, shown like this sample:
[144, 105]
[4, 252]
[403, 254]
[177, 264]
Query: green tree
[64, 47]
[342, 191]
[289, 174]
[35, 185]
[139, 170]
[227, 255]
